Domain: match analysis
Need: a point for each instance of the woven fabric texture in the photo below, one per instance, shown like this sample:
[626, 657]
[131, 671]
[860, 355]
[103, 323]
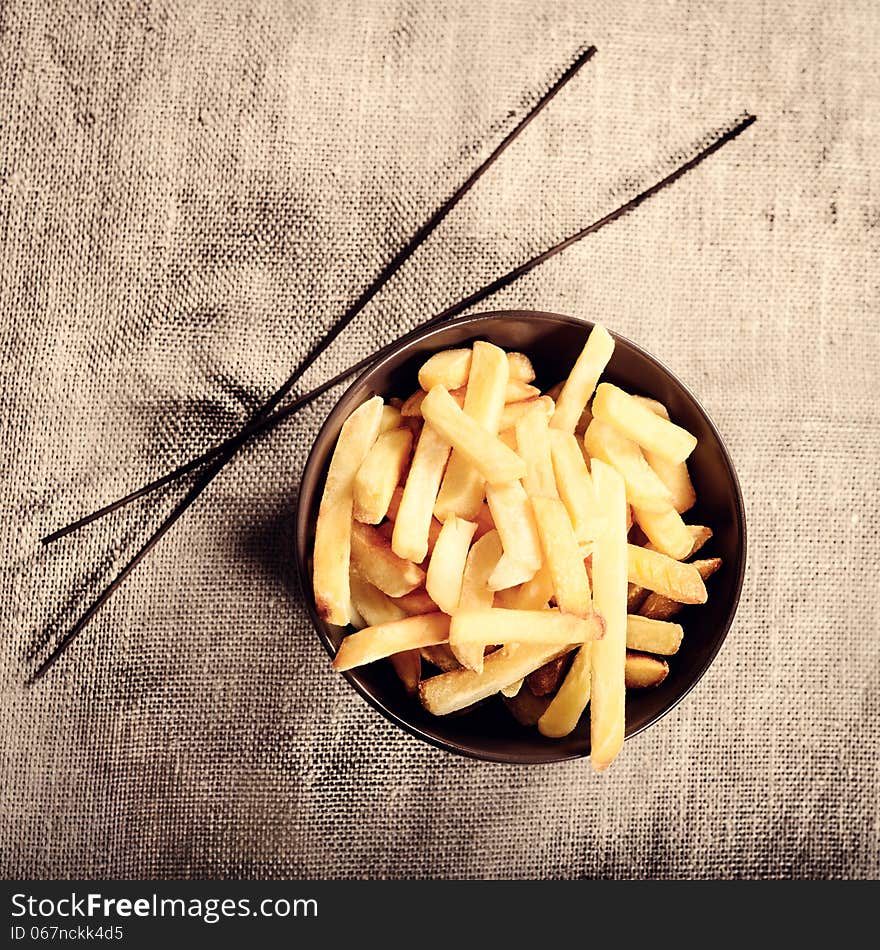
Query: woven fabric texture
[191, 191]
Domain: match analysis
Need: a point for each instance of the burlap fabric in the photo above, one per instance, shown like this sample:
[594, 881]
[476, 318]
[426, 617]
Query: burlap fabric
[191, 191]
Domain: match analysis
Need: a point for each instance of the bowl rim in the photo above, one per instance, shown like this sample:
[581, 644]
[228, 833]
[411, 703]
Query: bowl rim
[418, 334]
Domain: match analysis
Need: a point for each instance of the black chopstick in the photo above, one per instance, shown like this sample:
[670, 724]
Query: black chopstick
[270, 422]
[385, 274]
[583, 56]
[448, 314]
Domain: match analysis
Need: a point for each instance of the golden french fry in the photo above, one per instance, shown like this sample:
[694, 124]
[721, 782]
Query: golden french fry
[481, 560]
[441, 657]
[526, 708]
[514, 411]
[574, 484]
[462, 490]
[570, 584]
[374, 560]
[446, 567]
[511, 690]
[642, 671]
[608, 655]
[643, 487]
[700, 534]
[458, 689]
[332, 551]
[385, 639]
[533, 446]
[674, 475]
[413, 518]
[546, 678]
[666, 531]
[582, 380]
[408, 666]
[532, 595]
[658, 607]
[372, 604]
[515, 520]
[652, 636]
[567, 706]
[637, 422]
[510, 572]
[491, 457]
[391, 418]
[412, 406]
[501, 626]
[517, 391]
[636, 595]
[663, 574]
[416, 602]
[380, 473]
[452, 368]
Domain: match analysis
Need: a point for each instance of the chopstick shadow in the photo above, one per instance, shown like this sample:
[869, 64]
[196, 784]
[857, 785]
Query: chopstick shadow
[267, 544]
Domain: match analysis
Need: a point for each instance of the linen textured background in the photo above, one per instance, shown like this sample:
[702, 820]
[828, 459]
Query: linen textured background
[190, 191]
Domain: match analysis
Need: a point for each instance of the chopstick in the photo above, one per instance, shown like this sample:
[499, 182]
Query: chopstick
[582, 57]
[385, 274]
[270, 422]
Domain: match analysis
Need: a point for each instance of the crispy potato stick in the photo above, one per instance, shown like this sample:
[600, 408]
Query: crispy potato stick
[526, 708]
[509, 572]
[637, 422]
[570, 584]
[481, 560]
[416, 602]
[658, 607]
[459, 689]
[643, 486]
[446, 567]
[514, 411]
[574, 484]
[511, 690]
[517, 391]
[332, 550]
[462, 490]
[643, 671]
[666, 531]
[408, 667]
[373, 559]
[413, 519]
[391, 418]
[657, 572]
[441, 657]
[609, 596]
[451, 369]
[652, 636]
[673, 475]
[533, 595]
[636, 595]
[571, 700]
[582, 380]
[372, 604]
[502, 626]
[546, 678]
[533, 446]
[379, 474]
[385, 639]
[515, 521]
[412, 408]
[491, 457]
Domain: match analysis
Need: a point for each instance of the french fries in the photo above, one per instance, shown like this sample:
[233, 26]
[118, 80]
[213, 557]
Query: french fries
[666, 576]
[571, 587]
[637, 422]
[380, 473]
[461, 492]
[484, 530]
[446, 568]
[374, 560]
[332, 550]
[498, 625]
[581, 383]
[386, 639]
[652, 636]
[413, 520]
[608, 656]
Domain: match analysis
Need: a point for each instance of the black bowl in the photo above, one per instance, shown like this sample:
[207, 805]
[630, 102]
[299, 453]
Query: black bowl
[553, 342]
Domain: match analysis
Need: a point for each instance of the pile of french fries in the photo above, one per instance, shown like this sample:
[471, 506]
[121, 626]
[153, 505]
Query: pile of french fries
[512, 542]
